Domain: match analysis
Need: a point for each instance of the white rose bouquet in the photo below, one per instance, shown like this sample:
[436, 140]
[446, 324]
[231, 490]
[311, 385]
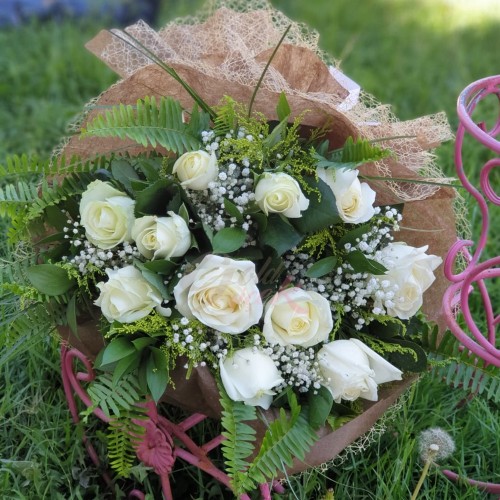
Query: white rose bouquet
[251, 245]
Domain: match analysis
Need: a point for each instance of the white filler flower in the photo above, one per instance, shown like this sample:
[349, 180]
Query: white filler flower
[250, 375]
[352, 370]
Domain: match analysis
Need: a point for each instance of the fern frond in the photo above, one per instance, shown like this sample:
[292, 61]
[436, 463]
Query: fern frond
[14, 282]
[227, 116]
[123, 404]
[353, 154]
[148, 123]
[21, 328]
[55, 192]
[121, 439]
[16, 197]
[117, 399]
[24, 165]
[48, 194]
[362, 151]
[461, 368]
[289, 436]
[239, 442]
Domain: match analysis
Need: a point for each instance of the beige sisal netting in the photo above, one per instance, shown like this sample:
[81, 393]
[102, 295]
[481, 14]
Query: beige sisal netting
[232, 41]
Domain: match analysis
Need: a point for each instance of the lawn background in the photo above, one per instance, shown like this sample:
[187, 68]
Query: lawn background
[417, 56]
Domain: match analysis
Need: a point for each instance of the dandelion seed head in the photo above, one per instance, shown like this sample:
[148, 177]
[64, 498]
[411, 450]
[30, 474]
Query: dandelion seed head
[435, 444]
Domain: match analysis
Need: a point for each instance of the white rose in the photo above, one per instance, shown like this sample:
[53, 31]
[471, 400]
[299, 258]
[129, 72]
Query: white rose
[354, 199]
[406, 298]
[352, 370]
[409, 274]
[127, 296]
[106, 214]
[280, 193]
[196, 169]
[400, 258]
[161, 237]
[295, 316]
[222, 293]
[250, 376]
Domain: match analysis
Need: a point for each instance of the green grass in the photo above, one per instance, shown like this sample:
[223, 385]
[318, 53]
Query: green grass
[417, 56]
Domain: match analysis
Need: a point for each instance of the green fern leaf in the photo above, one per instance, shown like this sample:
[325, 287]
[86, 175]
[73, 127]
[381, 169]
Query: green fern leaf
[239, 442]
[289, 436]
[122, 403]
[227, 116]
[22, 165]
[15, 198]
[148, 123]
[362, 151]
[115, 399]
[48, 194]
[460, 368]
[121, 439]
[32, 166]
[353, 154]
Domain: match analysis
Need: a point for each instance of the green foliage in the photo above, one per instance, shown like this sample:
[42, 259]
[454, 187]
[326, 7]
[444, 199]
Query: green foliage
[279, 234]
[239, 442]
[122, 404]
[405, 354]
[120, 442]
[322, 267]
[228, 239]
[353, 154]
[227, 118]
[123, 356]
[320, 405]
[362, 264]
[50, 279]
[29, 313]
[289, 436]
[322, 211]
[283, 108]
[150, 123]
[362, 151]
[23, 199]
[29, 166]
[121, 399]
[15, 197]
[22, 327]
[26, 206]
[157, 375]
[460, 368]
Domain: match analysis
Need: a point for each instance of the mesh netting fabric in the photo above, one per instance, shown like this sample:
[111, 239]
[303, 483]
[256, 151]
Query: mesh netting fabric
[233, 39]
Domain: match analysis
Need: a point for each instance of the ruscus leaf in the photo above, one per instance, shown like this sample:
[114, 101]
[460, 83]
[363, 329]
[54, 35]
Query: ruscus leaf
[50, 279]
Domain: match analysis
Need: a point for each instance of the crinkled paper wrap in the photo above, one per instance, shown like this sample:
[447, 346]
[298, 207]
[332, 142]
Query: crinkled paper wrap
[224, 54]
[199, 394]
